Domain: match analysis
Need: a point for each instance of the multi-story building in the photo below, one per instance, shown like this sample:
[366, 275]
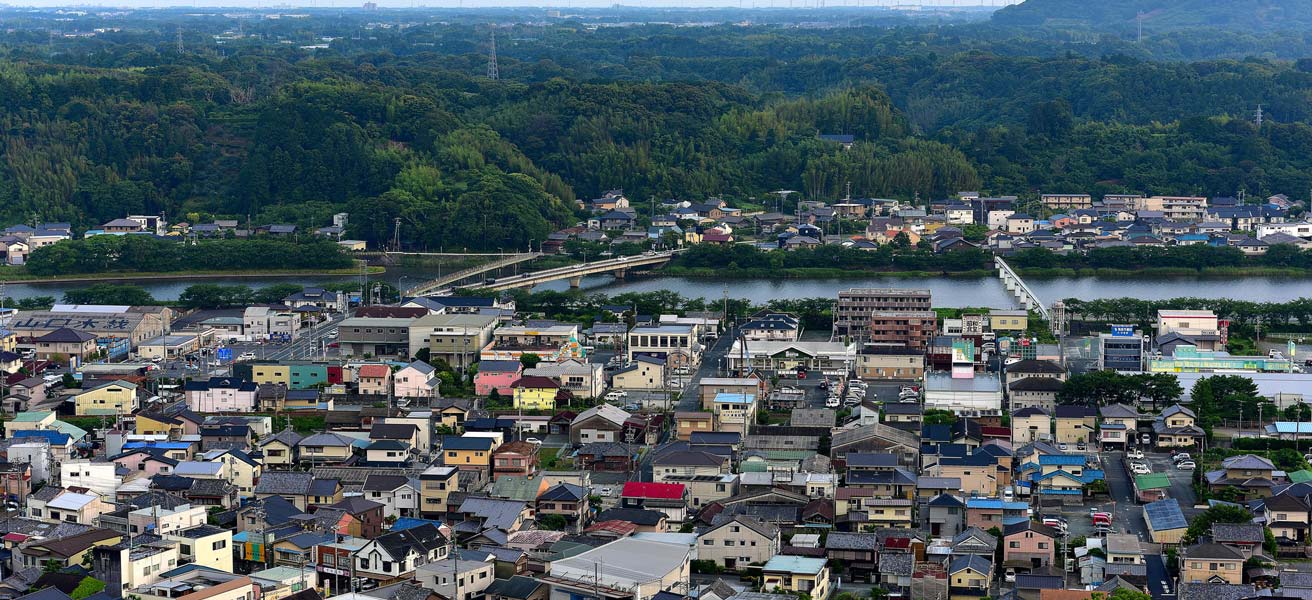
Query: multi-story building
[890, 362]
[1124, 349]
[853, 313]
[551, 343]
[455, 338]
[1064, 202]
[375, 336]
[435, 485]
[221, 394]
[912, 329]
[676, 344]
[265, 323]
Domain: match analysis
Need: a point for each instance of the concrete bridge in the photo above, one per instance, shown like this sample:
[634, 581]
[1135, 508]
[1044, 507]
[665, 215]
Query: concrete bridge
[1014, 284]
[574, 273]
[434, 286]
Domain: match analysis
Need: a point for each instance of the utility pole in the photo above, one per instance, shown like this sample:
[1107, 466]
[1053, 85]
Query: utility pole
[396, 234]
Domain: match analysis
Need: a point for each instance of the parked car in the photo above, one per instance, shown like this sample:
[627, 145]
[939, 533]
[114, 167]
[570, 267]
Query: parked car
[833, 402]
[1140, 469]
[606, 491]
[1186, 465]
[246, 356]
[1010, 576]
[1183, 456]
[1063, 447]
[1135, 454]
[616, 395]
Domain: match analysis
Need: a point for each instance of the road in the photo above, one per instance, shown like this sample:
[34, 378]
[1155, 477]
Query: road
[1159, 584]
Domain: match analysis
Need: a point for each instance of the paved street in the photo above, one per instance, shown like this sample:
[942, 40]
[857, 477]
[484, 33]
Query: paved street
[1159, 584]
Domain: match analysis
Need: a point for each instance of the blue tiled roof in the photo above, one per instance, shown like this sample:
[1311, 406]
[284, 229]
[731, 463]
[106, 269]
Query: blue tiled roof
[1062, 459]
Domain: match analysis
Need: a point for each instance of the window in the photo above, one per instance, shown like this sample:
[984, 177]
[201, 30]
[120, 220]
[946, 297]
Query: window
[219, 545]
[1043, 545]
[708, 542]
[1013, 544]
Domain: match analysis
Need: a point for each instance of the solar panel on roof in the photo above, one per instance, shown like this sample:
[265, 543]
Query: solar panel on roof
[1165, 514]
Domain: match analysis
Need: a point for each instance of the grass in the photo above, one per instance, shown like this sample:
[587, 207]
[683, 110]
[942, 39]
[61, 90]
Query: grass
[810, 273]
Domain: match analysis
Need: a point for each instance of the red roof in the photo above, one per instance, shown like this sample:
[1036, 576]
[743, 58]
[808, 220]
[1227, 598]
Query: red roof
[662, 491]
[15, 537]
[374, 371]
[535, 382]
[622, 528]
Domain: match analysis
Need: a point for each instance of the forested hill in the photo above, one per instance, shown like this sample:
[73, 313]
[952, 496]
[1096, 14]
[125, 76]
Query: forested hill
[402, 122]
[1158, 15]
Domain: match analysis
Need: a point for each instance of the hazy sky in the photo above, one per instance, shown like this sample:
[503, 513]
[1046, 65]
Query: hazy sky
[907, 4]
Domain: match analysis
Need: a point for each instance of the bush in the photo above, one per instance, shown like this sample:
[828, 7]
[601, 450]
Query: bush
[706, 567]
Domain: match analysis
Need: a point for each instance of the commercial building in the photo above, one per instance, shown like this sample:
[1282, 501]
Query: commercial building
[1124, 349]
[852, 314]
[374, 336]
[455, 338]
[1066, 202]
[626, 569]
[267, 323]
[174, 345]
[552, 343]
[676, 344]
[979, 395]
[136, 323]
[1201, 327]
[790, 358]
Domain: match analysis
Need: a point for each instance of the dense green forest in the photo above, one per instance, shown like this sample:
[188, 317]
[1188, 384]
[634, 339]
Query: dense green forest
[394, 118]
[1158, 14]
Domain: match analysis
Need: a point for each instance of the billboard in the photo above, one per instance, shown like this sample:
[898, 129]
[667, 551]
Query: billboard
[1122, 330]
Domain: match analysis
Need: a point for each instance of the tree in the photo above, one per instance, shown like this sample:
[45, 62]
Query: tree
[1222, 513]
[1125, 593]
[553, 522]
[68, 381]
[110, 293]
[529, 360]
[936, 416]
[89, 586]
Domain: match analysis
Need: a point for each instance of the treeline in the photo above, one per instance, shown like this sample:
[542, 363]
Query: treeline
[888, 257]
[1239, 312]
[147, 254]
[1198, 256]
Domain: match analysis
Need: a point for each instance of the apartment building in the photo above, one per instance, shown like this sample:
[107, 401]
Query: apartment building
[856, 307]
[912, 329]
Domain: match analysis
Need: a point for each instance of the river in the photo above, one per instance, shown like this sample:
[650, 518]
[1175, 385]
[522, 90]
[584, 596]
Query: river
[947, 291]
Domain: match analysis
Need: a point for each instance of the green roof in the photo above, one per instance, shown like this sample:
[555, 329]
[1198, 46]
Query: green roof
[788, 454]
[753, 467]
[32, 416]
[1152, 481]
[1300, 476]
[72, 430]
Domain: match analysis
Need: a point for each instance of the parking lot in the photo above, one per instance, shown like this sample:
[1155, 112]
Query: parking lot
[1127, 512]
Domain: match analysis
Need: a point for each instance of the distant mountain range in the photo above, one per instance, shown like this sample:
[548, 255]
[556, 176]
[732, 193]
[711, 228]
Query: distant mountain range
[1254, 15]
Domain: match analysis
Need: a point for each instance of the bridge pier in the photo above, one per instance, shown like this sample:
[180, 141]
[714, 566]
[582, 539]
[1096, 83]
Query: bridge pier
[622, 274]
[575, 281]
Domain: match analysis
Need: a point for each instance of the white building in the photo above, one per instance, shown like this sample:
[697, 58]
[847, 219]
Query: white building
[626, 569]
[978, 395]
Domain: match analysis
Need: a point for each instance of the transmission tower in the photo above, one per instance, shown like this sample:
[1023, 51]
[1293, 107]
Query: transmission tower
[396, 234]
[1257, 116]
[492, 72]
[181, 48]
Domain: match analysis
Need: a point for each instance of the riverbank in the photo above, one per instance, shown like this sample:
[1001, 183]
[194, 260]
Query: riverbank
[6, 276]
[809, 273]
[1036, 273]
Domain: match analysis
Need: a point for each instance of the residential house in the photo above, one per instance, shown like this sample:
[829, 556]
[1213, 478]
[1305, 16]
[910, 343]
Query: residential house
[601, 423]
[1029, 542]
[536, 393]
[567, 500]
[373, 380]
[970, 576]
[398, 494]
[468, 452]
[497, 375]
[436, 484]
[1177, 427]
[1211, 563]
[1287, 517]
[858, 552]
[416, 380]
[281, 450]
[669, 498]
[1030, 424]
[1247, 538]
[1252, 475]
[797, 575]
[1075, 424]
[738, 541]
[221, 394]
[643, 373]
[515, 458]
[1118, 427]
[327, 448]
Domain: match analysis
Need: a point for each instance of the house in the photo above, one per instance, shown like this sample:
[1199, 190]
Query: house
[515, 458]
[68, 551]
[416, 380]
[688, 423]
[1211, 563]
[1030, 424]
[970, 576]
[1119, 424]
[536, 393]
[1029, 543]
[688, 463]
[436, 484]
[1177, 427]
[1247, 538]
[483, 514]
[601, 423]
[669, 498]
[518, 587]
[611, 457]
[945, 514]
[567, 500]
[581, 378]
[497, 375]
[368, 516]
[737, 541]
[858, 552]
[280, 450]
[643, 373]
[1075, 424]
[1286, 515]
[66, 346]
[326, 448]
[221, 394]
[468, 452]
[396, 555]
[111, 398]
[373, 380]
[1252, 475]
[797, 575]
[398, 494]
[301, 489]
[452, 579]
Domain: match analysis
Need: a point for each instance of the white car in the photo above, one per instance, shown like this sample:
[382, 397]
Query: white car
[1063, 447]
[832, 402]
[1135, 454]
[616, 396]
[534, 441]
[1140, 469]
[1010, 576]
[1183, 456]
[246, 356]
[605, 491]
[1186, 465]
